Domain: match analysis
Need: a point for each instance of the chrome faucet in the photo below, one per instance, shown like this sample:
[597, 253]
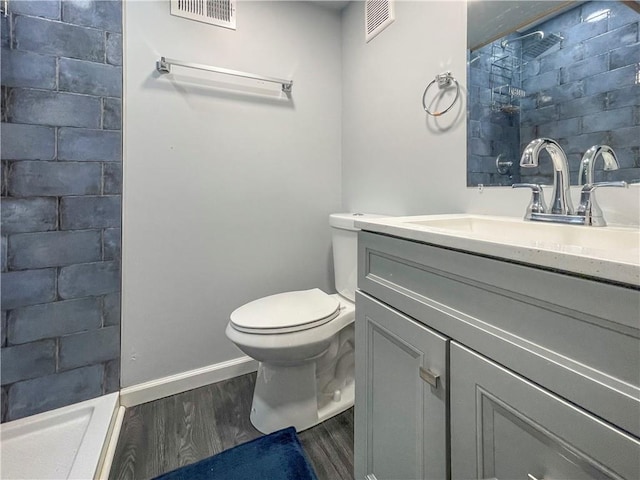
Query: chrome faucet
[537, 204]
[560, 198]
[589, 208]
[588, 163]
[588, 212]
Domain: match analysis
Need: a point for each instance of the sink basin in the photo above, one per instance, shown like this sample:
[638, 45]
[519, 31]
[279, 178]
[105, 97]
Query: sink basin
[611, 253]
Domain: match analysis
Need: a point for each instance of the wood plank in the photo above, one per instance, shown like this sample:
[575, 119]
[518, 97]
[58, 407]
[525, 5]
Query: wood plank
[329, 447]
[159, 436]
[231, 409]
[130, 441]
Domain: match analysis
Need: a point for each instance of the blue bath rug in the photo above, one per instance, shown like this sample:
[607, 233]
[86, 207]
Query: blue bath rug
[277, 456]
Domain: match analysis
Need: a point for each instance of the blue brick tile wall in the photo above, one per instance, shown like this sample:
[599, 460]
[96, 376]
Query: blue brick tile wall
[3, 256]
[55, 319]
[28, 287]
[114, 48]
[44, 107]
[38, 8]
[90, 212]
[27, 142]
[583, 69]
[111, 113]
[105, 16]
[30, 360]
[111, 309]
[112, 178]
[89, 348]
[581, 92]
[53, 249]
[112, 376]
[621, 57]
[494, 133]
[59, 39]
[31, 178]
[53, 391]
[89, 279]
[583, 106]
[3, 328]
[4, 402]
[111, 243]
[626, 137]
[82, 144]
[36, 214]
[61, 152]
[4, 33]
[78, 76]
[26, 69]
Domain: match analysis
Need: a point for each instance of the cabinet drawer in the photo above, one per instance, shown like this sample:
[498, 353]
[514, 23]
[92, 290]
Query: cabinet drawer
[575, 336]
[505, 427]
[401, 396]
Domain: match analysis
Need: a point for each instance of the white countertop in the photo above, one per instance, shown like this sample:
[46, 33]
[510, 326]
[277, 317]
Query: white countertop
[610, 253]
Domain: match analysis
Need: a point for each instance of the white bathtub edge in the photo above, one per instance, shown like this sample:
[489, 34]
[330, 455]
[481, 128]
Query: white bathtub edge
[86, 453]
[182, 382]
[93, 443]
[111, 442]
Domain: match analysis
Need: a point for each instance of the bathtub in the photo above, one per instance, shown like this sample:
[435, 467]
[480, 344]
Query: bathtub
[69, 442]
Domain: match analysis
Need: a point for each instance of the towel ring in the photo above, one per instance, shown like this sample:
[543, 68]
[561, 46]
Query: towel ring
[443, 80]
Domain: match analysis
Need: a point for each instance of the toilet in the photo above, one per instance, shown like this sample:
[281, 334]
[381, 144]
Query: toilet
[304, 341]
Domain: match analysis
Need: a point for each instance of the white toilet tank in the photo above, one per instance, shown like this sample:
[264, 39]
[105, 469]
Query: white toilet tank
[344, 236]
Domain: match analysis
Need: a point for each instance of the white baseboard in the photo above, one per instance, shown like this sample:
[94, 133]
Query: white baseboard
[173, 384]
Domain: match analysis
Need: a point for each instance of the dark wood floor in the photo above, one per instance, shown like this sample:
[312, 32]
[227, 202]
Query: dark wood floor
[160, 436]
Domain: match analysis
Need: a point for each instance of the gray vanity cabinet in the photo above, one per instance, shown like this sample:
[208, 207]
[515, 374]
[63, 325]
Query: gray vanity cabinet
[505, 427]
[401, 395]
[538, 369]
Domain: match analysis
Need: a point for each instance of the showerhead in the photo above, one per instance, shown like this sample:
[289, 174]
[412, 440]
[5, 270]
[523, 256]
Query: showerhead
[536, 46]
[535, 49]
[506, 42]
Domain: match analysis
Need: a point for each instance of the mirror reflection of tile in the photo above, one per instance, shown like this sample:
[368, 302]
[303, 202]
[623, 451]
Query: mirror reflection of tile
[574, 78]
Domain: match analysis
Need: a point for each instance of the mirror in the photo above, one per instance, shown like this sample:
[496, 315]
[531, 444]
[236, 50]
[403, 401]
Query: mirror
[565, 70]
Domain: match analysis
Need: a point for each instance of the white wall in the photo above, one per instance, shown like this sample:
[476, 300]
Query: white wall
[395, 160]
[227, 190]
[398, 160]
[227, 184]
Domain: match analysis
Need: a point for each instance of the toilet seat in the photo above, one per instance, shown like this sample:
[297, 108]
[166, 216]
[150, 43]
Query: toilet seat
[286, 312]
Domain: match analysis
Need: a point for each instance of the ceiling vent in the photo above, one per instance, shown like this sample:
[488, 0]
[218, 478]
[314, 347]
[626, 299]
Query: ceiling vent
[214, 12]
[378, 15]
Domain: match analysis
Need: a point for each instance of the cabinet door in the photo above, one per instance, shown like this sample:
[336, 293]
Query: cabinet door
[400, 418]
[505, 427]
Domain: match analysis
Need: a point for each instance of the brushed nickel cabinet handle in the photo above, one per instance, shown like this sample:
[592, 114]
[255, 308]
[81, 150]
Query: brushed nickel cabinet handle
[429, 377]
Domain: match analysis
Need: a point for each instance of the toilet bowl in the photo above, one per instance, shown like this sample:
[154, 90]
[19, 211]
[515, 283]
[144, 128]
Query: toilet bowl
[304, 341]
[304, 376]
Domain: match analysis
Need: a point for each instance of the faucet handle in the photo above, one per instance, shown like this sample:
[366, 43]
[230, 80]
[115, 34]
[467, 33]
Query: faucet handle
[589, 187]
[589, 208]
[537, 204]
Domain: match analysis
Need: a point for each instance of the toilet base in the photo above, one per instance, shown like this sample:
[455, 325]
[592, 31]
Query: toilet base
[287, 396]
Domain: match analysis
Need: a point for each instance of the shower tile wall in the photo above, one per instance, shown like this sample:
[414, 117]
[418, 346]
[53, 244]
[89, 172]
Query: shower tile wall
[491, 132]
[61, 199]
[582, 92]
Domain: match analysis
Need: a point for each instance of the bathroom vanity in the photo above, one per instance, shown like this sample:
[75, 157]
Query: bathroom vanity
[479, 358]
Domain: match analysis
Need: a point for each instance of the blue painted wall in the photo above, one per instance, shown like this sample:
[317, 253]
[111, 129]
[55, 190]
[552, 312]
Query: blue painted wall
[61, 203]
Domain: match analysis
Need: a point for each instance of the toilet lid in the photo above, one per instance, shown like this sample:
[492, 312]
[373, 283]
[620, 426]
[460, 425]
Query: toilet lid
[286, 312]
